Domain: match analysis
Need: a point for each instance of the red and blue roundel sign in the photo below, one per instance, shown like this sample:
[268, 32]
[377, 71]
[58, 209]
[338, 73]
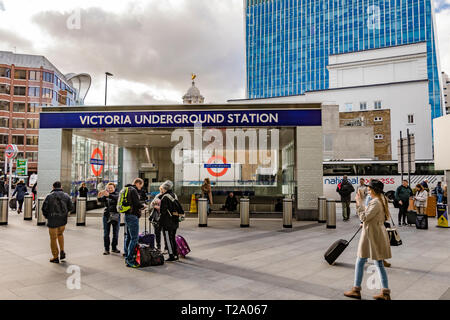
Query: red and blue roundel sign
[11, 151]
[224, 166]
[97, 162]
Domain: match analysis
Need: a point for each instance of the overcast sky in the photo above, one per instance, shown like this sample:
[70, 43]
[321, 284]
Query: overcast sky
[151, 46]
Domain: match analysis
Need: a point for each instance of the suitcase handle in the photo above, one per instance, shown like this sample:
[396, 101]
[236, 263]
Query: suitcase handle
[359, 229]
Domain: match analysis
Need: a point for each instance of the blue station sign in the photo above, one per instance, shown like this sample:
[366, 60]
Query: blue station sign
[181, 119]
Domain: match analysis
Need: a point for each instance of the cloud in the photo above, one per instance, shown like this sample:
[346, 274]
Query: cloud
[9, 40]
[158, 44]
[441, 5]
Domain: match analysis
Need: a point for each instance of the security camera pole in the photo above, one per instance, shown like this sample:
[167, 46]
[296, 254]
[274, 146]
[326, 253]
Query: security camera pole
[106, 84]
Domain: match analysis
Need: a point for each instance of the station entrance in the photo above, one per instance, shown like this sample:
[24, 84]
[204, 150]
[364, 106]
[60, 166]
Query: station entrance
[251, 151]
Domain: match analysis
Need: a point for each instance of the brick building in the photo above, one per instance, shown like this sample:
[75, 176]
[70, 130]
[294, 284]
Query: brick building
[27, 84]
[380, 120]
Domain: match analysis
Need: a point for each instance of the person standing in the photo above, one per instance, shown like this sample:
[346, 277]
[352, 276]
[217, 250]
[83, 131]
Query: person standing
[83, 191]
[439, 191]
[132, 216]
[420, 199]
[34, 191]
[230, 203]
[111, 218]
[207, 193]
[374, 240]
[154, 218]
[402, 195]
[345, 190]
[171, 211]
[361, 191]
[56, 208]
[444, 198]
[20, 191]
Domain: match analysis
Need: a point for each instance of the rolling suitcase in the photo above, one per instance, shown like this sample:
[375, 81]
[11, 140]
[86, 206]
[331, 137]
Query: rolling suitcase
[182, 246]
[337, 248]
[147, 238]
[422, 221]
[13, 204]
[411, 217]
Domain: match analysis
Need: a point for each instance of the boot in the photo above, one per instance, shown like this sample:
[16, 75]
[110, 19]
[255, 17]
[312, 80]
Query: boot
[385, 294]
[354, 293]
[386, 264]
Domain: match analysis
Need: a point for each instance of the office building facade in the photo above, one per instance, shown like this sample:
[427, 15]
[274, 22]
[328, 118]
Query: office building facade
[289, 42]
[29, 83]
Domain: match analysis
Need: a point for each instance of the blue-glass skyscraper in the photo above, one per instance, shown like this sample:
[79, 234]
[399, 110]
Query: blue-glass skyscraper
[288, 42]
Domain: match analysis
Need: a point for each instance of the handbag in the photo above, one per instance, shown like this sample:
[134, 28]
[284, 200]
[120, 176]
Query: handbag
[394, 236]
[114, 217]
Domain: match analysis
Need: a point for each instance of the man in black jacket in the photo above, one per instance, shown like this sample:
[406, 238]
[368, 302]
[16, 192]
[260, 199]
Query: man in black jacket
[345, 189]
[132, 221]
[55, 208]
[111, 218]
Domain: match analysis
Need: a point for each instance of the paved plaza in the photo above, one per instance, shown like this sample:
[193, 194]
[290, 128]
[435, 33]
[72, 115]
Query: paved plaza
[226, 262]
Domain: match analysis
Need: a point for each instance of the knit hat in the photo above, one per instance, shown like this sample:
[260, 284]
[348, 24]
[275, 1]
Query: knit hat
[167, 185]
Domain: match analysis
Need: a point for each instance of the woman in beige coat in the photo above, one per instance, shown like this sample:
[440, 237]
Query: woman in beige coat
[374, 241]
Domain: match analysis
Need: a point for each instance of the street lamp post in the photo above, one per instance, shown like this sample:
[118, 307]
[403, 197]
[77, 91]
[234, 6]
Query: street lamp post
[106, 84]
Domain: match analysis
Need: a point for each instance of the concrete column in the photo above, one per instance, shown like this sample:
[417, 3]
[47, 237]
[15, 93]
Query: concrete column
[309, 171]
[54, 159]
[130, 165]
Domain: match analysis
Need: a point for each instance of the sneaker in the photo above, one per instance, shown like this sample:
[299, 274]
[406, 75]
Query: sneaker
[132, 265]
[62, 255]
[106, 252]
[55, 260]
[115, 250]
[172, 259]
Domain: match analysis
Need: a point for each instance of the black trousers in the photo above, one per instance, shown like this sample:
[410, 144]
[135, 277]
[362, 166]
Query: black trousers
[158, 230]
[402, 212]
[169, 237]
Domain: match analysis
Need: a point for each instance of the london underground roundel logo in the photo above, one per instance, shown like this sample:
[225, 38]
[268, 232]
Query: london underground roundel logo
[224, 166]
[97, 162]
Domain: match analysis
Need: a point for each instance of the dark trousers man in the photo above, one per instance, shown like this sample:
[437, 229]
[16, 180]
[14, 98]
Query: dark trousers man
[131, 241]
[402, 212]
[169, 237]
[107, 230]
[346, 209]
[20, 205]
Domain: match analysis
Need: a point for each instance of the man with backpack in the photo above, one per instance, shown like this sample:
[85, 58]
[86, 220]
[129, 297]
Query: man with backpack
[129, 204]
[56, 208]
[345, 189]
[171, 213]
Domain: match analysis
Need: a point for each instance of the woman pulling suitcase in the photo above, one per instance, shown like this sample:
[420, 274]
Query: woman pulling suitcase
[374, 242]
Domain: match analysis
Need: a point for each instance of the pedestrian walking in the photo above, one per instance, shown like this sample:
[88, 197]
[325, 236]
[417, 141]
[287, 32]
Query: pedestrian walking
[439, 191]
[56, 208]
[402, 195]
[345, 190]
[83, 191]
[207, 193]
[374, 240]
[20, 191]
[420, 199]
[34, 191]
[111, 218]
[129, 199]
[361, 191]
[171, 211]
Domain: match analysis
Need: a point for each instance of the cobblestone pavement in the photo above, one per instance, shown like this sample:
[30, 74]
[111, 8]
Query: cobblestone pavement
[264, 261]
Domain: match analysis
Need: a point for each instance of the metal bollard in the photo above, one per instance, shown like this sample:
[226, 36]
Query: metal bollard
[244, 208]
[287, 213]
[81, 211]
[331, 214]
[202, 212]
[28, 208]
[322, 209]
[4, 211]
[39, 214]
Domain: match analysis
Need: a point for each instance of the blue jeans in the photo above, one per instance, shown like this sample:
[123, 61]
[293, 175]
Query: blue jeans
[107, 230]
[440, 198]
[132, 226]
[359, 271]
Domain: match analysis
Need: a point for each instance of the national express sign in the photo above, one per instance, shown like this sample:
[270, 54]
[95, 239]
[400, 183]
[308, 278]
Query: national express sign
[181, 119]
